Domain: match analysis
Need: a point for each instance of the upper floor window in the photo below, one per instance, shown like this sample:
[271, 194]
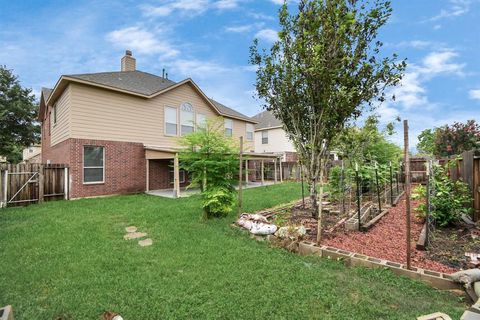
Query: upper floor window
[171, 121]
[265, 137]
[186, 118]
[201, 121]
[249, 130]
[55, 113]
[93, 164]
[228, 123]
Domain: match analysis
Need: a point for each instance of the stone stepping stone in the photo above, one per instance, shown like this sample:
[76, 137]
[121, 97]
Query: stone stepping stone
[145, 243]
[131, 229]
[134, 235]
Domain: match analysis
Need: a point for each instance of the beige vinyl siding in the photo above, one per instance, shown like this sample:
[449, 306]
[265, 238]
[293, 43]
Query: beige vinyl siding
[239, 130]
[106, 115]
[61, 130]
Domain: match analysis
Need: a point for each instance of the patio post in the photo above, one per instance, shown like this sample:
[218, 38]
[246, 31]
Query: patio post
[262, 172]
[176, 177]
[147, 175]
[246, 172]
[280, 168]
[275, 170]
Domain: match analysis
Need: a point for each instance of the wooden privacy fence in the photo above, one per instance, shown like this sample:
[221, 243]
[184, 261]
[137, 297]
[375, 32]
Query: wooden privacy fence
[23, 184]
[467, 169]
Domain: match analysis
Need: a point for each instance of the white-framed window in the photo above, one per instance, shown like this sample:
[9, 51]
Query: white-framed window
[181, 174]
[186, 118]
[171, 122]
[93, 164]
[249, 130]
[265, 137]
[201, 121]
[228, 123]
[55, 113]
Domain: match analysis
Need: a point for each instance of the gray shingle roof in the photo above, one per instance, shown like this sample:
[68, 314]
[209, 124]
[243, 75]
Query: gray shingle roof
[145, 84]
[46, 93]
[226, 111]
[266, 119]
[134, 81]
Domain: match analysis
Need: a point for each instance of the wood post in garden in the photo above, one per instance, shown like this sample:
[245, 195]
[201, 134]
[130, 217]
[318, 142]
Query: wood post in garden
[378, 189]
[391, 184]
[407, 190]
[240, 177]
[359, 206]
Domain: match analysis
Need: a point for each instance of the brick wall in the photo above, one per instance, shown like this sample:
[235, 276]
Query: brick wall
[161, 176]
[124, 168]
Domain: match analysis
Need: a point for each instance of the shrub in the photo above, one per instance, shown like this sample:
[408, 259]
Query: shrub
[218, 202]
[450, 200]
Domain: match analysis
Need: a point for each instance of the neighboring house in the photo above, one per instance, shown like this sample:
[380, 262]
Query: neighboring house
[271, 138]
[118, 131]
[32, 154]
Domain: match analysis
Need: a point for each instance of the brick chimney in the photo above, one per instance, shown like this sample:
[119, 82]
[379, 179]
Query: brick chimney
[128, 62]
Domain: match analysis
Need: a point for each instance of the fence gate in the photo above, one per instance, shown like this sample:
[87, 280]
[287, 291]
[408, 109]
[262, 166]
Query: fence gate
[24, 184]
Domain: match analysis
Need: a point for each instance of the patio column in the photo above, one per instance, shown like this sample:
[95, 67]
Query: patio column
[176, 177]
[147, 175]
[246, 172]
[275, 170]
[262, 170]
[280, 168]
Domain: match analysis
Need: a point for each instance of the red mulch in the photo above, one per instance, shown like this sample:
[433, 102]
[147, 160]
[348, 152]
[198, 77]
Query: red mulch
[387, 240]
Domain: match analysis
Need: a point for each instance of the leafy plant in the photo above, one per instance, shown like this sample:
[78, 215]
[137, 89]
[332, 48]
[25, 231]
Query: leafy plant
[450, 200]
[420, 193]
[218, 202]
[212, 162]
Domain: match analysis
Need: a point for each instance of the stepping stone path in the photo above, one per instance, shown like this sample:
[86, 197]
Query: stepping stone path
[133, 234]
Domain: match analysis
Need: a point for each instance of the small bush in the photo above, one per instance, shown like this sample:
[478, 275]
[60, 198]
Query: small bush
[218, 202]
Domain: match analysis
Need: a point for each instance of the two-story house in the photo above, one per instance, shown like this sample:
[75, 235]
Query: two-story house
[118, 131]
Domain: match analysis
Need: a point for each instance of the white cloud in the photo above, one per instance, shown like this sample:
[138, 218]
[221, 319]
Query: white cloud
[244, 28]
[440, 62]
[141, 41]
[226, 4]
[455, 9]
[269, 35]
[187, 7]
[474, 94]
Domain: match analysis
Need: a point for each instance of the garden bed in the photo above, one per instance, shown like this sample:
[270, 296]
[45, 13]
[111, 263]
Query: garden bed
[386, 237]
[448, 246]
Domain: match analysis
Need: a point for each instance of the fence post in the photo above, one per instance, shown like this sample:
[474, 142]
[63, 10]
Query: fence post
[391, 184]
[407, 191]
[240, 177]
[5, 188]
[427, 218]
[358, 196]
[41, 183]
[3, 177]
[66, 180]
[378, 189]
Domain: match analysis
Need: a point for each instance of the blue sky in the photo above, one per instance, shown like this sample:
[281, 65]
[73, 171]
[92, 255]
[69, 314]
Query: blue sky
[208, 40]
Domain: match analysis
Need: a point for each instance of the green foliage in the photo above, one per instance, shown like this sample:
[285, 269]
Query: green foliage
[18, 116]
[450, 200]
[368, 144]
[212, 161]
[450, 140]
[324, 68]
[420, 193]
[218, 202]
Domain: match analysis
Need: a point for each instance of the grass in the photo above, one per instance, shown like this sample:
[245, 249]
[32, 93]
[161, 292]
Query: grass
[68, 260]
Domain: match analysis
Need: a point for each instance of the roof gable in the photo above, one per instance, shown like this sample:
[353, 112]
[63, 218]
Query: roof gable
[141, 84]
[266, 119]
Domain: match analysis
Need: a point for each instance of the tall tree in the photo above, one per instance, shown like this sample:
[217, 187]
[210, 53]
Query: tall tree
[320, 73]
[18, 114]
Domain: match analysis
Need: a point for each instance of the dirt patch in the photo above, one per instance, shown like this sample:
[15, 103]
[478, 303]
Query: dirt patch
[448, 246]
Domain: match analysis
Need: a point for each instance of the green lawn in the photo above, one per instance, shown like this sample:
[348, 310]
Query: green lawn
[68, 260]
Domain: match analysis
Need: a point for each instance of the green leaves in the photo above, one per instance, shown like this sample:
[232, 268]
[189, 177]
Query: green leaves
[18, 115]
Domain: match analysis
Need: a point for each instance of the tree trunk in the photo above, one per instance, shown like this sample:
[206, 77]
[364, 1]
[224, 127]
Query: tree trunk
[319, 226]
